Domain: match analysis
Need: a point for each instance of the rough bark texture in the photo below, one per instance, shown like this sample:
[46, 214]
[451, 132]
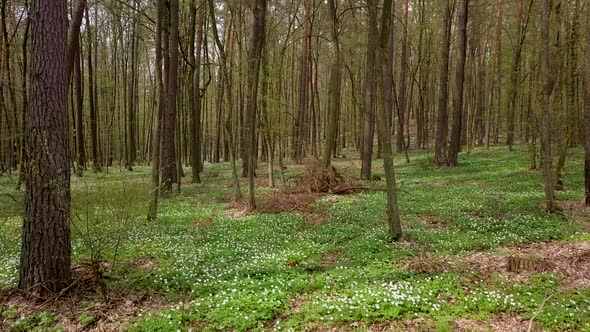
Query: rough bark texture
[46, 248]
[455, 144]
[442, 122]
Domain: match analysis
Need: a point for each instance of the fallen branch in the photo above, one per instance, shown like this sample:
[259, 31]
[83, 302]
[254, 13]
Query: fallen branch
[348, 189]
[539, 311]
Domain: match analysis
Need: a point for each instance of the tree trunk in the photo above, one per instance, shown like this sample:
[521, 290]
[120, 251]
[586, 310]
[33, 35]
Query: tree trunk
[515, 71]
[455, 145]
[548, 85]
[334, 89]
[74, 37]
[393, 215]
[442, 123]
[158, 122]
[25, 106]
[300, 121]
[195, 103]
[79, 105]
[254, 58]
[169, 169]
[403, 92]
[93, 111]
[587, 113]
[46, 247]
[370, 94]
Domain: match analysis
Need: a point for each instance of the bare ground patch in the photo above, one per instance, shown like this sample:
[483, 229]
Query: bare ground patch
[433, 221]
[281, 202]
[314, 183]
[571, 261]
[502, 322]
[329, 259]
[109, 314]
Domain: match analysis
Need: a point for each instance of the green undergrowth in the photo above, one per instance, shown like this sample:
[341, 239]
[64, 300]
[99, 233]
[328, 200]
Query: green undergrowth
[279, 271]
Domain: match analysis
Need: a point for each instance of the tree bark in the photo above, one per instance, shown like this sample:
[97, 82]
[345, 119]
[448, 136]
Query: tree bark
[169, 169]
[548, 85]
[442, 123]
[403, 93]
[455, 144]
[300, 122]
[74, 37]
[46, 247]
[334, 88]
[254, 59]
[370, 93]
[393, 215]
[79, 105]
[515, 71]
[587, 114]
[160, 107]
[92, 105]
[195, 54]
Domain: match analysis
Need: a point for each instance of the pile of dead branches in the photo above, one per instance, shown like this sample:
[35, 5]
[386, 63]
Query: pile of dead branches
[317, 179]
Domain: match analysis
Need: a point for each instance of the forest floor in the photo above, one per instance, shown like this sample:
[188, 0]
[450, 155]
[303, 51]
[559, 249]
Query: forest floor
[478, 253]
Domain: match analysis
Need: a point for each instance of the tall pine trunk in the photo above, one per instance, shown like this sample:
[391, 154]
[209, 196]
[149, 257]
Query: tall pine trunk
[46, 247]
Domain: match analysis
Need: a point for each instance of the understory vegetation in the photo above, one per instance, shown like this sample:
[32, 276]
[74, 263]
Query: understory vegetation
[206, 264]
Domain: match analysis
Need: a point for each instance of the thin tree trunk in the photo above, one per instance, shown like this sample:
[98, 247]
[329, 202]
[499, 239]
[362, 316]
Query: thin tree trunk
[195, 100]
[300, 138]
[442, 123]
[455, 144]
[334, 88]
[254, 59]
[74, 36]
[25, 105]
[548, 85]
[92, 105]
[79, 106]
[587, 114]
[515, 70]
[370, 94]
[393, 215]
[402, 111]
[169, 169]
[158, 122]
